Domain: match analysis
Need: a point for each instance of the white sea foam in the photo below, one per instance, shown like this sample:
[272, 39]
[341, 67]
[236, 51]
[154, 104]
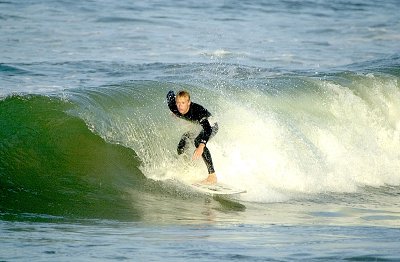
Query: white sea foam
[322, 136]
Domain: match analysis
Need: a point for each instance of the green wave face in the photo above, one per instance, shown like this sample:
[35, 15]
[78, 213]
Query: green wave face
[51, 163]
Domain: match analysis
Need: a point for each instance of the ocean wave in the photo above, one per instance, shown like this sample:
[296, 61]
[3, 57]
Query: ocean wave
[287, 135]
[11, 70]
[281, 137]
[50, 162]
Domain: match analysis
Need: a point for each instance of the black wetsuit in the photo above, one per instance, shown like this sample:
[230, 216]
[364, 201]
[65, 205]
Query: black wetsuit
[196, 114]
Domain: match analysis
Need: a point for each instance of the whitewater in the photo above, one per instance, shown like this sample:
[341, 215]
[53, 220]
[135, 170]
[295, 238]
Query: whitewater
[306, 94]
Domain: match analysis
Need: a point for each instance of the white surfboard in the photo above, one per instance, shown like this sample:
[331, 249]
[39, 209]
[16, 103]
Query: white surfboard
[217, 189]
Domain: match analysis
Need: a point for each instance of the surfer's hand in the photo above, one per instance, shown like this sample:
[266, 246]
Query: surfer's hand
[199, 151]
[170, 95]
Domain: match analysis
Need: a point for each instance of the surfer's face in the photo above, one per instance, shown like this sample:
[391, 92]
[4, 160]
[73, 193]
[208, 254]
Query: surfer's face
[183, 104]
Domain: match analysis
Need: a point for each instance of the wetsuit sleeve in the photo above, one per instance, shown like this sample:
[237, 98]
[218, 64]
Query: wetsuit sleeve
[207, 130]
[171, 101]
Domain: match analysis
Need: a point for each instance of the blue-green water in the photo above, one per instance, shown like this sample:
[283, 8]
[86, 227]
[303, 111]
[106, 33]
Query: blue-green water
[307, 98]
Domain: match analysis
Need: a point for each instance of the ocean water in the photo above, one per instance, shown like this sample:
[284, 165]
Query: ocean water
[307, 98]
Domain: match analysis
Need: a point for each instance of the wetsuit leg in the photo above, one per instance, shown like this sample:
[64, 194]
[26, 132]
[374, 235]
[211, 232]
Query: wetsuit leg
[183, 143]
[206, 155]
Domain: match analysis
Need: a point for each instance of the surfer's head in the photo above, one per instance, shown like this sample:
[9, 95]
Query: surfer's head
[183, 101]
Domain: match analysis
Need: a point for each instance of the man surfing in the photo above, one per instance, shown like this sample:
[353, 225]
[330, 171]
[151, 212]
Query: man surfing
[183, 108]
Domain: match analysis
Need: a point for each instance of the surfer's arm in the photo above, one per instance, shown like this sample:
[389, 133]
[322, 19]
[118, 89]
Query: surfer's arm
[171, 100]
[198, 151]
[205, 124]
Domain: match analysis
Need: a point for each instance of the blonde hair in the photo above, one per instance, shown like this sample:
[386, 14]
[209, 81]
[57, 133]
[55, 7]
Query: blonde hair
[183, 93]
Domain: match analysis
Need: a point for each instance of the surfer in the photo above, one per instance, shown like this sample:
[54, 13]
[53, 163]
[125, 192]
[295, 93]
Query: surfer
[183, 108]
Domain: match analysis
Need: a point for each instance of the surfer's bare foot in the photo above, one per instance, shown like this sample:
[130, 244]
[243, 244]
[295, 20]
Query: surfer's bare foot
[210, 180]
